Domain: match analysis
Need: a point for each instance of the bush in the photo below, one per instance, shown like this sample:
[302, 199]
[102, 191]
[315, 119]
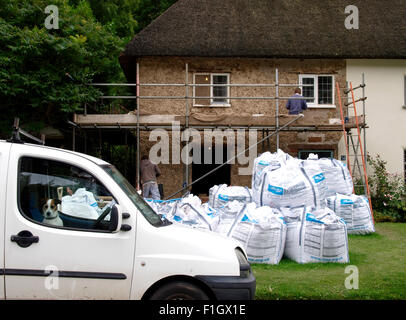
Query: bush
[388, 191]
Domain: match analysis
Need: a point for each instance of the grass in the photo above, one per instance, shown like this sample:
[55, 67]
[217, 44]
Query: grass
[380, 258]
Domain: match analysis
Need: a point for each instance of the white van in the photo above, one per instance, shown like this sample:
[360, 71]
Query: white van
[125, 251]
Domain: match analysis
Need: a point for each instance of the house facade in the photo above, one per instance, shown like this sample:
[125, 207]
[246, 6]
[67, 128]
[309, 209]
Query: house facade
[214, 47]
[385, 108]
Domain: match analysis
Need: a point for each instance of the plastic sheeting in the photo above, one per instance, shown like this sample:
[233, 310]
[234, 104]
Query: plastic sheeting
[315, 235]
[355, 211]
[187, 211]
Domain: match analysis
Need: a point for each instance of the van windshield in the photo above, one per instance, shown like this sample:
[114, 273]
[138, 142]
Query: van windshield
[149, 214]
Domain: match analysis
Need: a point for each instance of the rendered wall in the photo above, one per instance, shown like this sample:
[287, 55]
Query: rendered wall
[385, 111]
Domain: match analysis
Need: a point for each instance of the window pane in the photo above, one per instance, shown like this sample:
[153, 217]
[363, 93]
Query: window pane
[308, 91]
[220, 91]
[202, 91]
[58, 194]
[325, 90]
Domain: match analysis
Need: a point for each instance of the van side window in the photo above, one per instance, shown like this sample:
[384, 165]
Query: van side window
[57, 194]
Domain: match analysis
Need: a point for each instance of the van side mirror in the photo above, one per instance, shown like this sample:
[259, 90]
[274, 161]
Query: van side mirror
[115, 218]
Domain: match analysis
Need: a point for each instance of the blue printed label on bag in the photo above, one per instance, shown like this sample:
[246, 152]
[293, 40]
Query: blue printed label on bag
[224, 197]
[346, 201]
[275, 190]
[246, 219]
[263, 163]
[318, 178]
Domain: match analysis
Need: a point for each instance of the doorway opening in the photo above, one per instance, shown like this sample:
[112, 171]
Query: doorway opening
[221, 176]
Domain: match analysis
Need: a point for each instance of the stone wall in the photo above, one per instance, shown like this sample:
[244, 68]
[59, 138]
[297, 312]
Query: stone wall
[242, 71]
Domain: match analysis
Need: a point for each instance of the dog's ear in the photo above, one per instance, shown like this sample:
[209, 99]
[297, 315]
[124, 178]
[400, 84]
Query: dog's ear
[57, 201]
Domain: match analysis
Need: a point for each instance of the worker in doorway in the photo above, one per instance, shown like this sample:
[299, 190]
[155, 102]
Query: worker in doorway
[149, 173]
[296, 106]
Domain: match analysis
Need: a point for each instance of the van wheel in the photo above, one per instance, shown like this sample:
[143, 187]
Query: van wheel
[179, 290]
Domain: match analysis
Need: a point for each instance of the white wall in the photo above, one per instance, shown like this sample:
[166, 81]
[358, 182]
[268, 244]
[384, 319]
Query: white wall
[385, 114]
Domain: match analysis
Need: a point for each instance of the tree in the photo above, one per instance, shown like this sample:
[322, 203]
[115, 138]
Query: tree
[148, 10]
[37, 65]
[43, 72]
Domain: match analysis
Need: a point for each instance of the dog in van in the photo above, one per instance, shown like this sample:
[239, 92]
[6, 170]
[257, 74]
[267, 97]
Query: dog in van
[50, 212]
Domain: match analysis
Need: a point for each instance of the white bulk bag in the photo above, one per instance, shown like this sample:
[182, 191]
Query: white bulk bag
[355, 211]
[81, 204]
[220, 195]
[227, 215]
[315, 236]
[267, 159]
[284, 187]
[316, 177]
[337, 176]
[189, 211]
[262, 233]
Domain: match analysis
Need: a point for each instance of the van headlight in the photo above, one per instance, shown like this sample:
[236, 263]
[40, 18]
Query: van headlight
[245, 268]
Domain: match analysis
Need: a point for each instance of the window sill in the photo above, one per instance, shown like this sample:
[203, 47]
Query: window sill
[321, 106]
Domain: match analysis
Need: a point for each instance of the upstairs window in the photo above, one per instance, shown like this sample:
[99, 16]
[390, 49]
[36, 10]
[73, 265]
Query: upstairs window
[214, 91]
[319, 89]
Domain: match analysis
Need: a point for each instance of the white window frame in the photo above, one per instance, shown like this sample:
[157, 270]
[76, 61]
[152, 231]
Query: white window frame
[212, 103]
[316, 93]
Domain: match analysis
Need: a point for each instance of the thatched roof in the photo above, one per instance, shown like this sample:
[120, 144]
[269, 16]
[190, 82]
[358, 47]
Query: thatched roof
[274, 28]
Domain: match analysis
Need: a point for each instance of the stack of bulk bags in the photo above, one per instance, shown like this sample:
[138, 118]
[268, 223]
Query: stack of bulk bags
[262, 233]
[315, 235]
[291, 185]
[220, 195]
[337, 176]
[355, 211]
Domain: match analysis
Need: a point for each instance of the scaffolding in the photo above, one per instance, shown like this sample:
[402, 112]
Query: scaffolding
[266, 124]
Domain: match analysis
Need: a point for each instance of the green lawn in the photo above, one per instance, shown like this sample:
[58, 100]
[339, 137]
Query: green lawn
[379, 257]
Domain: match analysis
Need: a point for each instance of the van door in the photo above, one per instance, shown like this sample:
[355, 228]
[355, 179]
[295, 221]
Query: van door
[59, 250]
[4, 151]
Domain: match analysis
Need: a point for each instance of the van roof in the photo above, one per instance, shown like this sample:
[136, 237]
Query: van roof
[97, 161]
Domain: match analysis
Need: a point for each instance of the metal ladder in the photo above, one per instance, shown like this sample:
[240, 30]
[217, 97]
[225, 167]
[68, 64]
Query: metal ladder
[353, 141]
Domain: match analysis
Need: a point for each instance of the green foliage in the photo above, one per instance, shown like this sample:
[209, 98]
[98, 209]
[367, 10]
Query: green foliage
[35, 61]
[148, 10]
[388, 191]
[43, 72]
[117, 16]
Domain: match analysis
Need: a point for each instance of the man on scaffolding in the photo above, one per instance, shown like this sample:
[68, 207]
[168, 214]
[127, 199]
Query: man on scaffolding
[295, 105]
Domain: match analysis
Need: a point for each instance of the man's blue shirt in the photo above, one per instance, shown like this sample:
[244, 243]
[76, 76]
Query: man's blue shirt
[295, 106]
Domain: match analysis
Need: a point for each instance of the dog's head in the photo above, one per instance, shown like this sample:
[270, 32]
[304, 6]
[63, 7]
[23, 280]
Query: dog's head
[50, 208]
